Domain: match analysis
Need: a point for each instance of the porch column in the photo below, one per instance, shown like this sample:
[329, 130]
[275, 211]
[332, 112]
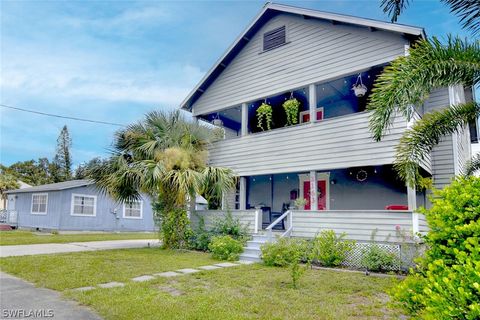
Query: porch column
[243, 193]
[313, 191]
[412, 206]
[244, 131]
[312, 102]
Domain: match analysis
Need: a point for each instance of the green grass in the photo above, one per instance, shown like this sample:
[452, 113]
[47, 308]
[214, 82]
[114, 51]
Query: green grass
[247, 292]
[26, 237]
[74, 270]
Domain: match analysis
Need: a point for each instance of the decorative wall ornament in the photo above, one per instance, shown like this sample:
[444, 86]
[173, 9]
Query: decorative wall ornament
[362, 175]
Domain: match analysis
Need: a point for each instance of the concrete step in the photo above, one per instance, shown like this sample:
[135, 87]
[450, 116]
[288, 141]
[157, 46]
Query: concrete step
[255, 244]
[259, 237]
[249, 257]
[252, 251]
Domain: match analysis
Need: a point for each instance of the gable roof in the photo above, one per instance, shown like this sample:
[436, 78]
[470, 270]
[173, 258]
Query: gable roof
[272, 9]
[54, 186]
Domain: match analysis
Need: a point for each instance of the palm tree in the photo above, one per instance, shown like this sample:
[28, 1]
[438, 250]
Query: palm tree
[164, 156]
[467, 10]
[408, 81]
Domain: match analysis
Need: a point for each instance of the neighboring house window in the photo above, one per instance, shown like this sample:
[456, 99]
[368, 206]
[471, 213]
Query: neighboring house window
[39, 203]
[133, 210]
[274, 38]
[84, 205]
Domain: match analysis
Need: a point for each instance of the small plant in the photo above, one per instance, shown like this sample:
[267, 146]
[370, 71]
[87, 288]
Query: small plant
[225, 248]
[228, 225]
[200, 238]
[300, 203]
[330, 250]
[264, 116]
[287, 252]
[291, 107]
[376, 258]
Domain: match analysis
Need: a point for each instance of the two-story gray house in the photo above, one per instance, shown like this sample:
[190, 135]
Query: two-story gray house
[327, 157]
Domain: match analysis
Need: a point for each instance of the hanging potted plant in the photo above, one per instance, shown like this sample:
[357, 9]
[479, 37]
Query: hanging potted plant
[359, 88]
[291, 107]
[217, 121]
[264, 116]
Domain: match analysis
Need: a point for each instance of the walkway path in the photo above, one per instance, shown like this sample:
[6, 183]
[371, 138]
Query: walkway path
[21, 300]
[48, 248]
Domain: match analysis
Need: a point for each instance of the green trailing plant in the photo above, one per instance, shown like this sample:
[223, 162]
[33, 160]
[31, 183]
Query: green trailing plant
[287, 252]
[225, 248]
[330, 250]
[446, 283]
[291, 107]
[264, 116]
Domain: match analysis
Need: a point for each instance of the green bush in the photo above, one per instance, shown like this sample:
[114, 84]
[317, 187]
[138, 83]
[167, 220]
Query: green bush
[287, 252]
[376, 258]
[446, 284]
[225, 248]
[330, 250]
[228, 225]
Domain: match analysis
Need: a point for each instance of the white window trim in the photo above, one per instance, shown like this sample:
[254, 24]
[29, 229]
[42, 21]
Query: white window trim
[72, 205]
[46, 204]
[129, 217]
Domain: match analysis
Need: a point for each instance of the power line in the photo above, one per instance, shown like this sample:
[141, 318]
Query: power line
[60, 116]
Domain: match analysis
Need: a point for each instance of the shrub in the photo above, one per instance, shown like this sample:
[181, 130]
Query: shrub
[175, 230]
[225, 248]
[287, 252]
[376, 258]
[228, 225]
[329, 249]
[446, 284]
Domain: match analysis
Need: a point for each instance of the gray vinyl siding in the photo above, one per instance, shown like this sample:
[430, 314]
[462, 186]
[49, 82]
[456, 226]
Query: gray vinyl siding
[315, 51]
[422, 224]
[340, 142]
[442, 154]
[59, 216]
[357, 225]
[245, 217]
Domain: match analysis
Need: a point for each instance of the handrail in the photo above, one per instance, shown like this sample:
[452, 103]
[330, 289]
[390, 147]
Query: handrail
[274, 223]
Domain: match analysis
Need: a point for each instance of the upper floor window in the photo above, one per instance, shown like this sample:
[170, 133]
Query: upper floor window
[39, 203]
[83, 205]
[133, 210]
[274, 38]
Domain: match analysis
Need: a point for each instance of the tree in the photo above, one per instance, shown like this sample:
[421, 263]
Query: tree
[163, 156]
[83, 169]
[63, 158]
[7, 182]
[408, 81]
[31, 171]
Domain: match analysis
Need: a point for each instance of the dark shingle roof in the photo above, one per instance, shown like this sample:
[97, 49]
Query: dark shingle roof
[54, 186]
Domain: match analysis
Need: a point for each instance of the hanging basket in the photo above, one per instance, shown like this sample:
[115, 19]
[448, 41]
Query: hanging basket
[217, 121]
[359, 88]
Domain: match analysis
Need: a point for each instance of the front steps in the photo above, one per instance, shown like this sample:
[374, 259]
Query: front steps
[252, 251]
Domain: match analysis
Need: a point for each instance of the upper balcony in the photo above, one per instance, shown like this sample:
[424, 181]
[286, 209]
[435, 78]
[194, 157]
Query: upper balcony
[329, 130]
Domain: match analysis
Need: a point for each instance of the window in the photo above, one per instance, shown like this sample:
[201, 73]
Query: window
[133, 210]
[83, 205]
[274, 38]
[39, 203]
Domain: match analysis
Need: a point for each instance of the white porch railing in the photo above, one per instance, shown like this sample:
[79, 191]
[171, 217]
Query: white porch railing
[288, 225]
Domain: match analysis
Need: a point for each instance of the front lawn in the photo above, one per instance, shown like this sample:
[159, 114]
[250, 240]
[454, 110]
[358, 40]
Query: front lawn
[246, 292]
[74, 270]
[15, 237]
[241, 292]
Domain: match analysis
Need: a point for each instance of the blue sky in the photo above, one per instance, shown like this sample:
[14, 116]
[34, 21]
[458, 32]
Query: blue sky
[116, 60]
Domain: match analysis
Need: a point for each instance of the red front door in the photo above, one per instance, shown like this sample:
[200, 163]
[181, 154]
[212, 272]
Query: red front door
[321, 194]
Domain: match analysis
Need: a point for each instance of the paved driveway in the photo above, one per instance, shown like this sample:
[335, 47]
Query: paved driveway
[21, 300]
[48, 248]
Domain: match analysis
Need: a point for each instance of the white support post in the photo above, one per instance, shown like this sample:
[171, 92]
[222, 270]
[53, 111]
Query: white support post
[456, 96]
[313, 191]
[412, 206]
[258, 213]
[312, 102]
[244, 130]
[243, 193]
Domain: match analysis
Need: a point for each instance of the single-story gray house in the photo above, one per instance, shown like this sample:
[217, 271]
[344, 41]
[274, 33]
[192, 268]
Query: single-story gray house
[76, 205]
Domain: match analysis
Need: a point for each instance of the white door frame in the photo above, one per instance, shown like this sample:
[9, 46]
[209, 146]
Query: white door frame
[321, 176]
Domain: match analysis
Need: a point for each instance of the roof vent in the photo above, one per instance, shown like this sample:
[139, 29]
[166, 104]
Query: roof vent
[274, 38]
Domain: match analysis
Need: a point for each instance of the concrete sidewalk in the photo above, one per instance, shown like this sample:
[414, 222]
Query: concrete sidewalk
[49, 248]
[21, 300]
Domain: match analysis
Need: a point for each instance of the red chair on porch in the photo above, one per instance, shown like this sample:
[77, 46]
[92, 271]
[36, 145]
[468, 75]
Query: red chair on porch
[396, 207]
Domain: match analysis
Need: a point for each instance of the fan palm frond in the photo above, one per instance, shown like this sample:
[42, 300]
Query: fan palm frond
[468, 11]
[409, 80]
[417, 142]
[394, 8]
[472, 166]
